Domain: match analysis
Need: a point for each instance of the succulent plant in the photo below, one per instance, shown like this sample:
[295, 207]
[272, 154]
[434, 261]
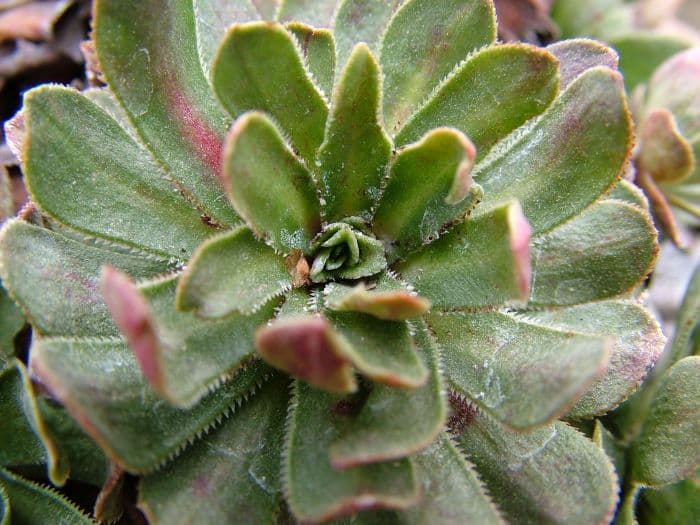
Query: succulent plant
[374, 296]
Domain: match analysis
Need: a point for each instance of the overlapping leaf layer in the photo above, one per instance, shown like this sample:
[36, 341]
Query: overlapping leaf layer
[307, 234]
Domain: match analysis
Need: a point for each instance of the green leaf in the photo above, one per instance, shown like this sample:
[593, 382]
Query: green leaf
[637, 344]
[578, 55]
[388, 299]
[20, 445]
[232, 476]
[269, 186]
[628, 192]
[315, 490]
[679, 503]
[232, 272]
[453, 491]
[609, 444]
[182, 356]
[11, 322]
[553, 475]
[668, 449]
[213, 18]
[317, 13]
[425, 40]
[429, 188]
[481, 262]
[109, 504]
[102, 191]
[55, 279]
[382, 350]
[318, 49]
[276, 82]
[606, 251]
[641, 53]
[308, 348]
[361, 21]
[147, 50]
[355, 152]
[684, 338]
[395, 423]
[33, 504]
[342, 252]
[68, 445]
[523, 374]
[567, 158]
[491, 94]
[134, 427]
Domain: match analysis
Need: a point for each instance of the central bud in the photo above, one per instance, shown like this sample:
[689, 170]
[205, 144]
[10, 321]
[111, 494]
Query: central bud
[346, 250]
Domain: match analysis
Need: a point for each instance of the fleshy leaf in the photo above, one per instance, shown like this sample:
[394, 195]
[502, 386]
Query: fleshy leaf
[308, 348]
[11, 322]
[628, 192]
[119, 410]
[109, 505]
[389, 300]
[668, 449]
[276, 82]
[343, 252]
[608, 443]
[382, 350]
[638, 343]
[684, 339]
[318, 48]
[567, 158]
[232, 272]
[481, 262]
[5, 510]
[425, 40]
[154, 71]
[606, 251]
[32, 503]
[317, 13]
[182, 356]
[269, 186]
[679, 503]
[429, 187]
[353, 157]
[213, 18]
[361, 21]
[553, 475]
[664, 153]
[483, 102]
[315, 491]
[67, 273]
[395, 423]
[117, 192]
[232, 476]
[20, 445]
[577, 56]
[525, 375]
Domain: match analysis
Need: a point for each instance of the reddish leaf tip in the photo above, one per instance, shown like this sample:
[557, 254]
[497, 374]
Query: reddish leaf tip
[308, 348]
[132, 316]
[520, 233]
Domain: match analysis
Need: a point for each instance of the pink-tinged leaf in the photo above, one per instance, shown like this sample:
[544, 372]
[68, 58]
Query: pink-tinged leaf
[393, 305]
[664, 153]
[520, 233]
[576, 56]
[308, 348]
[661, 208]
[132, 315]
[148, 52]
[109, 505]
